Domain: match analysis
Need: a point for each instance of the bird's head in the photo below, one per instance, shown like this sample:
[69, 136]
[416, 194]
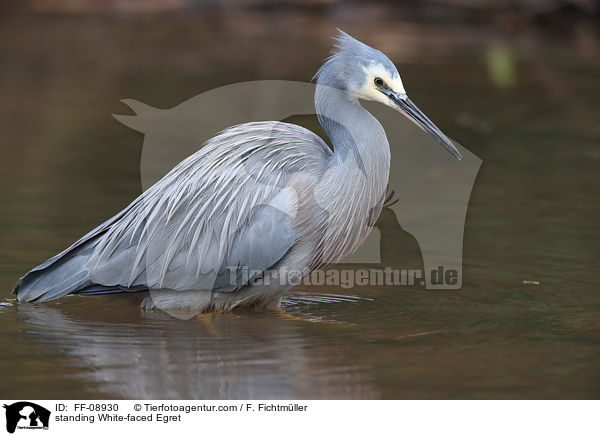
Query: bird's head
[366, 73]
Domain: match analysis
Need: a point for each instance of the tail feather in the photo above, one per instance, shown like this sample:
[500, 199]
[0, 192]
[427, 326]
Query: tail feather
[66, 272]
[66, 275]
[58, 290]
[59, 278]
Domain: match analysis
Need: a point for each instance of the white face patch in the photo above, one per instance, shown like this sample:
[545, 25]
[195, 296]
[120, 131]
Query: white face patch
[370, 91]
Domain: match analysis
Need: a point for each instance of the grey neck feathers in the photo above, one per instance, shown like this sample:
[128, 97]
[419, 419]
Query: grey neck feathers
[352, 129]
[358, 170]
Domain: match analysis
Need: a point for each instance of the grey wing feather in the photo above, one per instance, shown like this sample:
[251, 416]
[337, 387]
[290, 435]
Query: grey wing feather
[62, 273]
[226, 205]
[252, 247]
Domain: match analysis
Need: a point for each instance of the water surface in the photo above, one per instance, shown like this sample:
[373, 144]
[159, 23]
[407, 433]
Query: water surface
[526, 103]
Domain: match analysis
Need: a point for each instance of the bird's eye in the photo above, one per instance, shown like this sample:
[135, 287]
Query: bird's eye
[378, 82]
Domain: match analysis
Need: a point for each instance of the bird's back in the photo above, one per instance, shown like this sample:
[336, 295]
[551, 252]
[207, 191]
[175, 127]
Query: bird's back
[230, 203]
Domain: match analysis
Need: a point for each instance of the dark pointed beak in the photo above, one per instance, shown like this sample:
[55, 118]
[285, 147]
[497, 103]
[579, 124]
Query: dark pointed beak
[408, 108]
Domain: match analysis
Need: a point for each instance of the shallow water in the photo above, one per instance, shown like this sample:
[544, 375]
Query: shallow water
[526, 103]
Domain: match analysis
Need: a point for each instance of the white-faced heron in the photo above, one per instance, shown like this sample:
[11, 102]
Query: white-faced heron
[227, 226]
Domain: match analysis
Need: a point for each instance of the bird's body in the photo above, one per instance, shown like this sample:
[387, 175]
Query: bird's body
[258, 201]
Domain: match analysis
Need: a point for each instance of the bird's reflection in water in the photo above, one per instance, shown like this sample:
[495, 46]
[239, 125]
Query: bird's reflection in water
[123, 353]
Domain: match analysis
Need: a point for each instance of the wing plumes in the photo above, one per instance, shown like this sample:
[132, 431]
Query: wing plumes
[243, 200]
[179, 232]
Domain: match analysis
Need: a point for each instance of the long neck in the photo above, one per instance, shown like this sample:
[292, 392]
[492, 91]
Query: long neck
[353, 187]
[353, 131]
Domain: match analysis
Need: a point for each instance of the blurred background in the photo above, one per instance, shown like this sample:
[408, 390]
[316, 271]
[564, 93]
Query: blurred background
[516, 82]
